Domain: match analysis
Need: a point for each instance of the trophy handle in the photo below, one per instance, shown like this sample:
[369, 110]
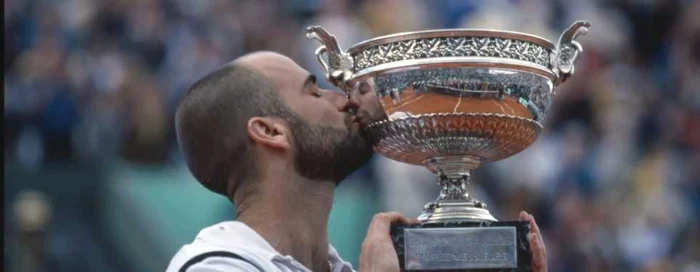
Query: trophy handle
[319, 57]
[567, 51]
[339, 68]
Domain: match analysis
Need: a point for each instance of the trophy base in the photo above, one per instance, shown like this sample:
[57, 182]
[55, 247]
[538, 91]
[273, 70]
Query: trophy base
[485, 246]
[455, 210]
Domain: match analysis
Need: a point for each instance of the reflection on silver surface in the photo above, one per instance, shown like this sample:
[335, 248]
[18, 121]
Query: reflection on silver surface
[466, 90]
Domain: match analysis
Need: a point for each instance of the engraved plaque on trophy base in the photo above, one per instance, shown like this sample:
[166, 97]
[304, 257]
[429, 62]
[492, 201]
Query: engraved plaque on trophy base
[463, 246]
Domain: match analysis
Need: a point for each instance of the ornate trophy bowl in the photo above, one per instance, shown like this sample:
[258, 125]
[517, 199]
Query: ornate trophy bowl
[453, 99]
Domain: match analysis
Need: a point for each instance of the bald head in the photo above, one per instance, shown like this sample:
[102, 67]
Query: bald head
[281, 72]
[263, 59]
[211, 120]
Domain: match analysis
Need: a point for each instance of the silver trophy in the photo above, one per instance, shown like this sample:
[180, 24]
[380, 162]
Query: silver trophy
[454, 99]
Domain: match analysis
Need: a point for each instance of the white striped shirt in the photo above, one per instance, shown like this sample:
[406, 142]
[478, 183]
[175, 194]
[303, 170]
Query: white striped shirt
[233, 246]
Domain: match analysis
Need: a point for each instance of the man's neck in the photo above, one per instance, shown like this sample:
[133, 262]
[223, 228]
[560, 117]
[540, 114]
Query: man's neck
[291, 215]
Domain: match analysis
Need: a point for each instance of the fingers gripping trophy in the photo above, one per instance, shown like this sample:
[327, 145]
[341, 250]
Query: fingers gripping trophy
[454, 99]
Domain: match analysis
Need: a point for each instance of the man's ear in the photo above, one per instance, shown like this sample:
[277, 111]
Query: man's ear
[269, 131]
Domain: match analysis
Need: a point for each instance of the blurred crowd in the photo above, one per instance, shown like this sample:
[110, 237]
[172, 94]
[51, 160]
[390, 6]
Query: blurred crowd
[614, 180]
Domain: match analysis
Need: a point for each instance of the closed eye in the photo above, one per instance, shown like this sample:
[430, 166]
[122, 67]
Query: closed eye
[310, 84]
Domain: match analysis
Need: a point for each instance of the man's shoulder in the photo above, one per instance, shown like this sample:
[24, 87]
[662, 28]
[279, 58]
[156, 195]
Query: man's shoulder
[227, 243]
[192, 257]
[233, 246]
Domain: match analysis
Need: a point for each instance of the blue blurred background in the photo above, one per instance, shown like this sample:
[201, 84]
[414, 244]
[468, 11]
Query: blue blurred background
[94, 180]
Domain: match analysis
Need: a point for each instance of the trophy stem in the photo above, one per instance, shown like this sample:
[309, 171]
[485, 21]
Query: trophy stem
[454, 203]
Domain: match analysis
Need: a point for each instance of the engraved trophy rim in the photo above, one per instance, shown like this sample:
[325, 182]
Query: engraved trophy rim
[539, 66]
[448, 33]
[345, 67]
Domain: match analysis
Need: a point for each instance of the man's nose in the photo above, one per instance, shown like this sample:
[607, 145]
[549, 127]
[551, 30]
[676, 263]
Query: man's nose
[354, 97]
[361, 94]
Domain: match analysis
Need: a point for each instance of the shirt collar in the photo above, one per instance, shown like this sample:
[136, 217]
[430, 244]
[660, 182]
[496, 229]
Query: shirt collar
[253, 241]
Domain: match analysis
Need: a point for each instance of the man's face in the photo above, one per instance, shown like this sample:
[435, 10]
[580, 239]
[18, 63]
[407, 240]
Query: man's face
[326, 135]
[369, 109]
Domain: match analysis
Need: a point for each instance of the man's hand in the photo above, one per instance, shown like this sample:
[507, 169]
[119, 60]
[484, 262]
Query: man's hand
[539, 254]
[378, 253]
